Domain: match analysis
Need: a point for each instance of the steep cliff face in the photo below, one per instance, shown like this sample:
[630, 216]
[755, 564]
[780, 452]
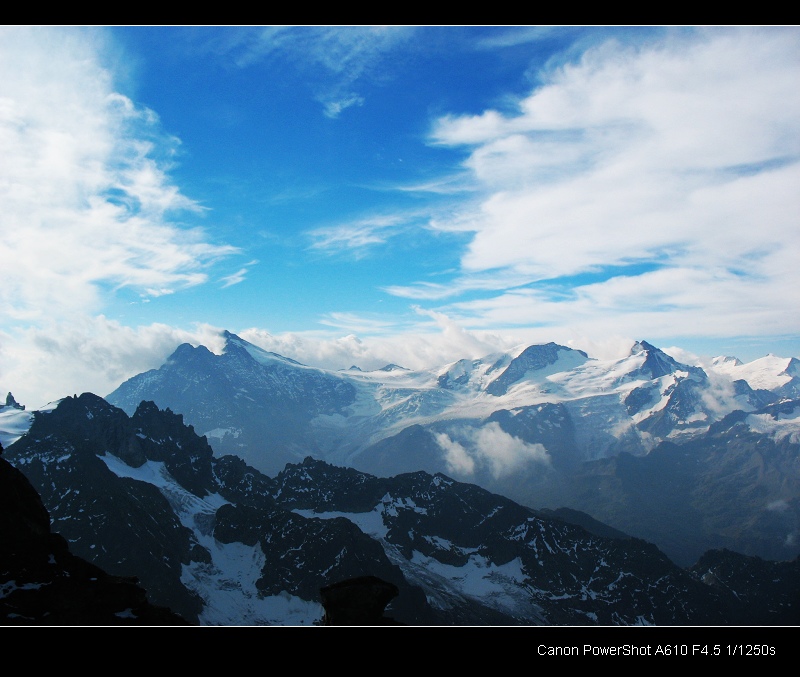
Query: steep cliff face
[124, 526]
[43, 583]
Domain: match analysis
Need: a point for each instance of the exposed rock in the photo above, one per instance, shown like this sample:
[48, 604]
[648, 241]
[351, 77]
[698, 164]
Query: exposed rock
[43, 583]
[11, 402]
[358, 601]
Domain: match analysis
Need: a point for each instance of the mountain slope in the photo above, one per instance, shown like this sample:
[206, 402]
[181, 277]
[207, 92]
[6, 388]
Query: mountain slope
[271, 410]
[236, 547]
[544, 425]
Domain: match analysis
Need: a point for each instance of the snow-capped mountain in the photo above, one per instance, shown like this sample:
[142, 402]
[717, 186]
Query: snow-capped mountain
[779, 375]
[223, 544]
[541, 424]
[271, 410]
[14, 420]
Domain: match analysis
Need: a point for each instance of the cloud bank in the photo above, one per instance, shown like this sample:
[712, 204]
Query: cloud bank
[491, 447]
[87, 204]
[636, 189]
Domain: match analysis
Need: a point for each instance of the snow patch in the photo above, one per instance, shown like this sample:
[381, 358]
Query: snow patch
[786, 425]
[371, 523]
[14, 423]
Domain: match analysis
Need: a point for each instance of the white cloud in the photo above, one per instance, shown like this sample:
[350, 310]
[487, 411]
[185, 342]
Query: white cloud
[684, 153]
[491, 447]
[506, 453]
[360, 323]
[237, 277]
[87, 354]
[351, 51]
[333, 59]
[495, 281]
[357, 237]
[382, 342]
[333, 108]
[87, 204]
[458, 460]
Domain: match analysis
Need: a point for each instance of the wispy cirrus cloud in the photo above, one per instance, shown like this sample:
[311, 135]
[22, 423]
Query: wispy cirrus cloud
[360, 323]
[484, 281]
[356, 238]
[334, 60]
[239, 276]
[88, 205]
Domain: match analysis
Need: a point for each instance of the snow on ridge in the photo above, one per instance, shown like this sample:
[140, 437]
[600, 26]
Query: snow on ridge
[593, 376]
[768, 372]
[14, 423]
[723, 362]
[371, 523]
[220, 433]
[784, 425]
[227, 584]
[267, 358]
[228, 588]
[186, 505]
[497, 586]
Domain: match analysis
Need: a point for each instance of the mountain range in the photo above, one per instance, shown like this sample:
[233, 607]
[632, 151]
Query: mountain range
[537, 486]
[688, 458]
[220, 543]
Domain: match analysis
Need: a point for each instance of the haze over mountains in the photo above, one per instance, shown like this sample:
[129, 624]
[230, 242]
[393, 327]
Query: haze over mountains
[688, 459]
[545, 425]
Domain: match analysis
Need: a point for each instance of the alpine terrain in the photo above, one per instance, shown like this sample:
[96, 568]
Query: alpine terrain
[220, 543]
[687, 458]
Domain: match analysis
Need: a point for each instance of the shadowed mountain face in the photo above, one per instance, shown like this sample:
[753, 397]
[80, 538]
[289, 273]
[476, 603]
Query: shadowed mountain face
[235, 547]
[731, 488]
[769, 590]
[652, 447]
[249, 402]
[43, 583]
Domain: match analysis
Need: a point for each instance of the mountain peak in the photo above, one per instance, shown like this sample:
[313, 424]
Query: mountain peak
[13, 404]
[727, 361]
[230, 337]
[642, 346]
[264, 357]
[537, 357]
[393, 367]
[657, 363]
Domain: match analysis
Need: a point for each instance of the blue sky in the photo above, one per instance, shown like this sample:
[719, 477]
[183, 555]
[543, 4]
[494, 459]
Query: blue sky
[363, 195]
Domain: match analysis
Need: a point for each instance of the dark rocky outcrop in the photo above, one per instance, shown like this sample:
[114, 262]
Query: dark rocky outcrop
[758, 592]
[358, 601]
[11, 402]
[124, 526]
[43, 583]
